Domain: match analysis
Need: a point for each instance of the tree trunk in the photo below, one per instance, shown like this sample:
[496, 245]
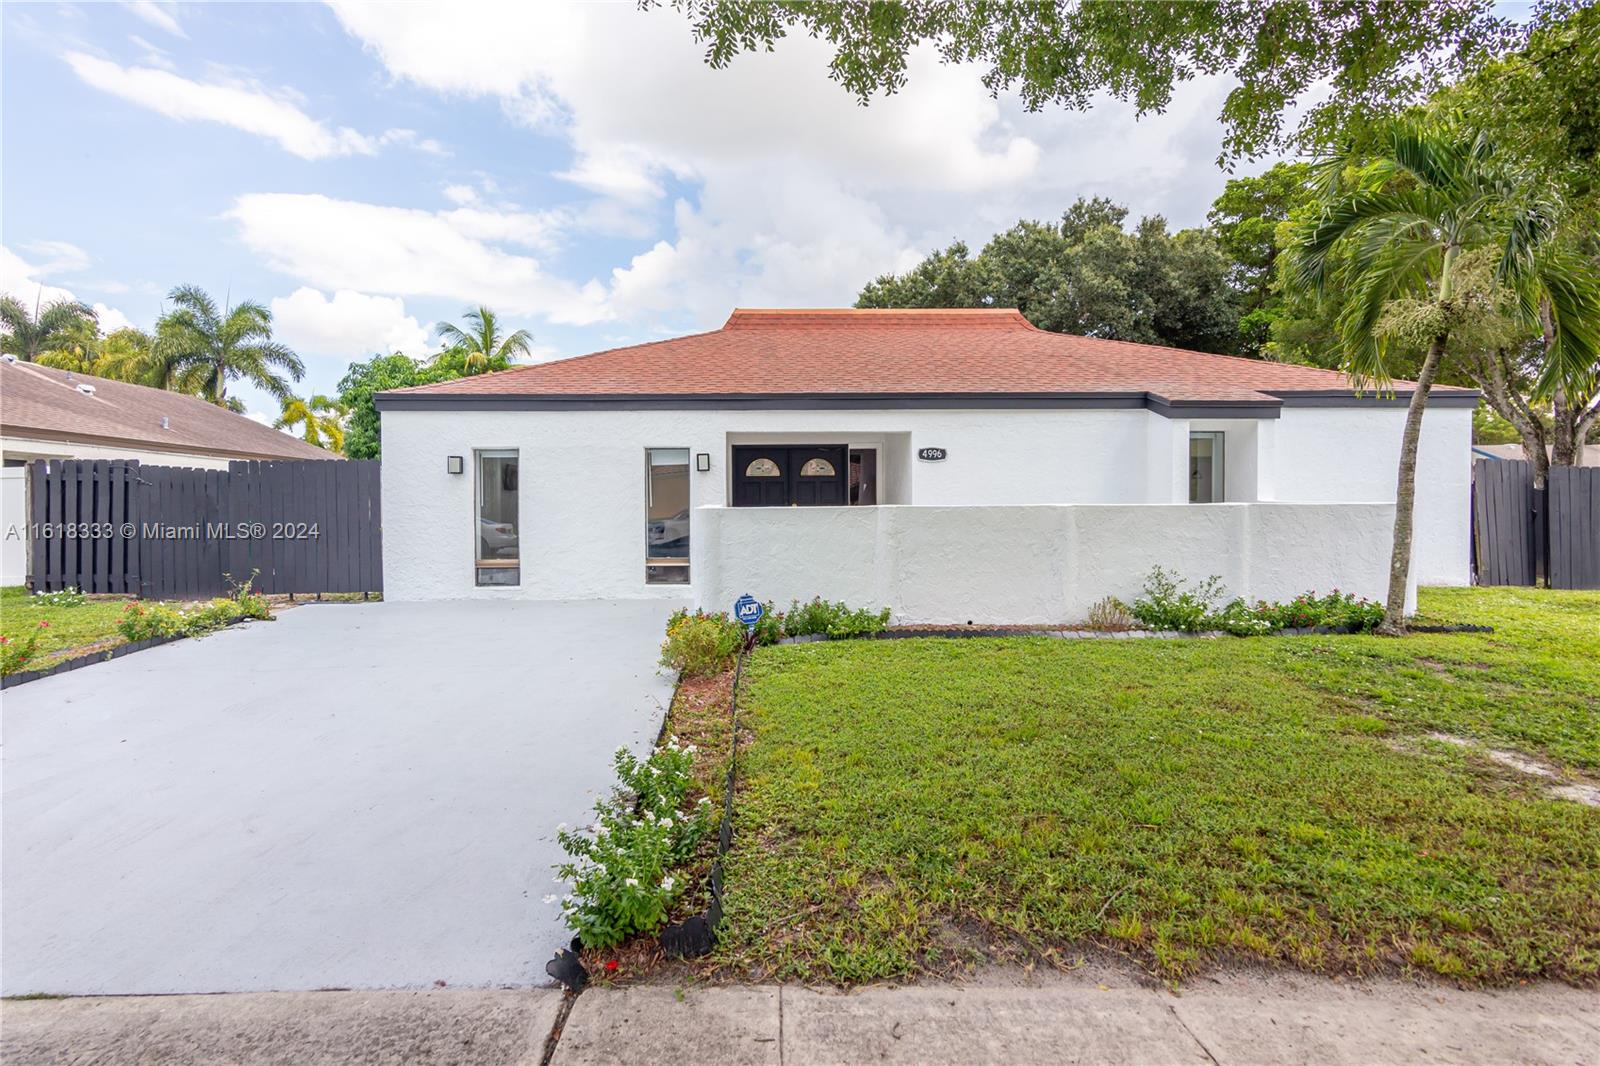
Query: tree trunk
[1394, 609]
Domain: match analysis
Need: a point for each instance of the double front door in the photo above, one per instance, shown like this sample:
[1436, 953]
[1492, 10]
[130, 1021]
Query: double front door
[790, 475]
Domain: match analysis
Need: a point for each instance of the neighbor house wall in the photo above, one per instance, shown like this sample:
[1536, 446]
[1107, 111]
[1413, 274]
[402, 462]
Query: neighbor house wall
[582, 490]
[28, 448]
[1033, 564]
[13, 525]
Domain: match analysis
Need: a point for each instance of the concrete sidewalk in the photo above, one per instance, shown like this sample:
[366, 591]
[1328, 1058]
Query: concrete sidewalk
[1004, 1018]
[1233, 1019]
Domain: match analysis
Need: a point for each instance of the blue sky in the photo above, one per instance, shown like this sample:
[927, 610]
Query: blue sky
[367, 171]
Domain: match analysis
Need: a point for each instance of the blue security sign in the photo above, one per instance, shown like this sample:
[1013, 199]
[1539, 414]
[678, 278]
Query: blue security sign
[748, 609]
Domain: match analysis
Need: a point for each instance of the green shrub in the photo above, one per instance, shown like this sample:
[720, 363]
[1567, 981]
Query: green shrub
[770, 629]
[700, 644]
[143, 621]
[67, 597]
[16, 655]
[620, 870]
[1240, 619]
[834, 620]
[1335, 609]
[1170, 603]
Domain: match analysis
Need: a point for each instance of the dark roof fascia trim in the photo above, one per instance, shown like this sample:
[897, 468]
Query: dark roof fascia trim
[806, 401]
[1467, 398]
[1166, 408]
[174, 447]
[861, 401]
[1267, 407]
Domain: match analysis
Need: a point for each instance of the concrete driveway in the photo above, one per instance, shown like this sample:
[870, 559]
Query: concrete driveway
[356, 796]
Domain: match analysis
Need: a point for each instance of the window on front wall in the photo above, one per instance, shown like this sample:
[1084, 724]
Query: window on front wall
[1206, 468]
[499, 551]
[666, 516]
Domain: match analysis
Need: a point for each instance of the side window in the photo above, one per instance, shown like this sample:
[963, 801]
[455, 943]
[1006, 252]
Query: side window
[762, 468]
[499, 550]
[666, 516]
[817, 468]
[1206, 468]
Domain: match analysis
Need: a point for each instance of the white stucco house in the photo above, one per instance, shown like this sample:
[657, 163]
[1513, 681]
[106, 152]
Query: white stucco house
[953, 465]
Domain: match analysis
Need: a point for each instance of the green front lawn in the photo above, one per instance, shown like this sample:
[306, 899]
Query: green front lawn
[91, 625]
[910, 806]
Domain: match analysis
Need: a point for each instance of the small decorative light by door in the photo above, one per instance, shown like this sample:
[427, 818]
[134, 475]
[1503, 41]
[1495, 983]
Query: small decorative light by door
[454, 464]
[702, 461]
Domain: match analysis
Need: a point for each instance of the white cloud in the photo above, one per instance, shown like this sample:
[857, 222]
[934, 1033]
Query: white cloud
[111, 319]
[799, 195]
[26, 281]
[460, 254]
[352, 325]
[158, 15]
[244, 106]
[57, 257]
[461, 195]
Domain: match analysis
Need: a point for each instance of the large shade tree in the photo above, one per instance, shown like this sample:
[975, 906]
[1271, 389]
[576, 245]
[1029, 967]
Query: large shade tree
[1087, 275]
[211, 347]
[30, 331]
[483, 345]
[1362, 57]
[1418, 234]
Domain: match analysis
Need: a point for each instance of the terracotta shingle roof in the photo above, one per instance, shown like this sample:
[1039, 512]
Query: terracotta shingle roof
[41, 401]
[906, 352]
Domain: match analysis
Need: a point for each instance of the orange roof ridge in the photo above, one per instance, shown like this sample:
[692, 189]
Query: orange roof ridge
[855, 317]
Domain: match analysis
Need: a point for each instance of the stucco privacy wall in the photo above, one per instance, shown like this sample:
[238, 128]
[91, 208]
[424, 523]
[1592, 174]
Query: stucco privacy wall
[581, 489]
[1325, 454]
[1033, 564]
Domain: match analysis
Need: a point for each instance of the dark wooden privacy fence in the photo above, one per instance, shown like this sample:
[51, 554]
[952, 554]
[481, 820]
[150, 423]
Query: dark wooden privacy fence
[300, 526]
[1522, 535]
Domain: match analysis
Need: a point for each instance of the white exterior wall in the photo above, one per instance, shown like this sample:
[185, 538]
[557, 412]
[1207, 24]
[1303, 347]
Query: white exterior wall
[13, 525]
[36, 448]
[582, 483]
[1032, 564]
[1330, 454]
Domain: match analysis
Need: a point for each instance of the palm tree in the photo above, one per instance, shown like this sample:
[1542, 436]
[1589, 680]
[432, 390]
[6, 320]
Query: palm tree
[323, 419]
[1430, 228]
[29, 335]
[74, 347]
[480, 346]
[209, 348]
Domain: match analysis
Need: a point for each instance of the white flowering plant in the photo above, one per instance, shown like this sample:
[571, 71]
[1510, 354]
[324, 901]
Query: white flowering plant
[620, 868]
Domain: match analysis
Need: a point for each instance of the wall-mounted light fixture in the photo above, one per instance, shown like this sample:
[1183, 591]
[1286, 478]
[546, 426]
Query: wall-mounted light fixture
[455, 464]
[702, 461]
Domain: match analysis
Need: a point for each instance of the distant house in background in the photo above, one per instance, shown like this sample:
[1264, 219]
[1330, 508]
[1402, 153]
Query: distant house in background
[1590, 457]
[47, 413]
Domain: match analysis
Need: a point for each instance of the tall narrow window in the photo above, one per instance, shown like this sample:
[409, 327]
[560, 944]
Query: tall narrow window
[499, 553]
[666, 516]
[1206, 468]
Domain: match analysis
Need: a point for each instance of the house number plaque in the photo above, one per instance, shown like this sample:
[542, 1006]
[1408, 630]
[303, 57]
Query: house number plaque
[931, 455]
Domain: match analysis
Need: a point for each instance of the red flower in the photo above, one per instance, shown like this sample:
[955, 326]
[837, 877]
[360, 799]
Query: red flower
[44, 625]
[611, 966]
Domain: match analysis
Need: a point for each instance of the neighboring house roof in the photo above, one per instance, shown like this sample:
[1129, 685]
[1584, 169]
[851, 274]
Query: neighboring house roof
[1589, 457]
[924, 357]
[43, 402]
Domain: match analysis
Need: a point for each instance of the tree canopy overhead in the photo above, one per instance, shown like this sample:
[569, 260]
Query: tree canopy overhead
[1085, 275]
[1372, 56]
